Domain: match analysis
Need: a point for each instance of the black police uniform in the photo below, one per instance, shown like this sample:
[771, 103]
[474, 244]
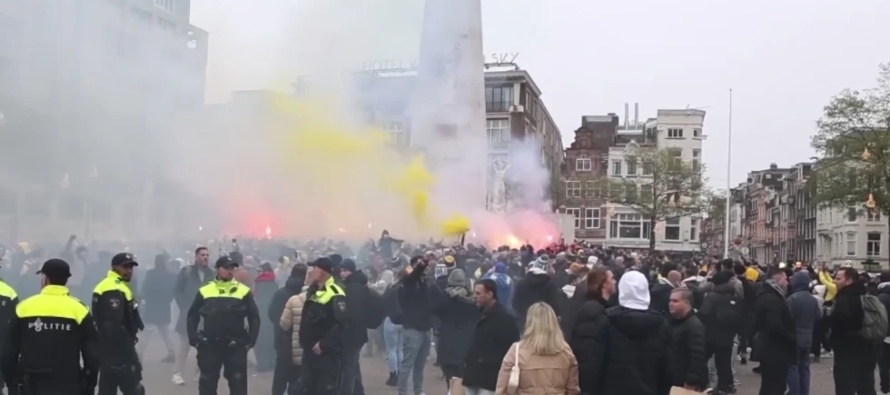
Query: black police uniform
[48, 335]
[224, 305]
[118, 321]
[323, 322]
[9, 299]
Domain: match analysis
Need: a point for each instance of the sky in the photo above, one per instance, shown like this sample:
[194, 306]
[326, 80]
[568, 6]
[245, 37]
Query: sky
[783, 59]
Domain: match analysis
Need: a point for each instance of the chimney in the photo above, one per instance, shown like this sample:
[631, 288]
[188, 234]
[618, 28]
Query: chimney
[626, 115]
[636, 114]
[773, 166]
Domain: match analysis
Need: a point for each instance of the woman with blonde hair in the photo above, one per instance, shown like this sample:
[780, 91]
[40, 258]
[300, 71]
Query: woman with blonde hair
[545, 362]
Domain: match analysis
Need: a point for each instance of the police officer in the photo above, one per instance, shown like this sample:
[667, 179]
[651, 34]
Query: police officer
[224, 304]
[47, 337]
[9, 299]
[322, 330]
[118, 321]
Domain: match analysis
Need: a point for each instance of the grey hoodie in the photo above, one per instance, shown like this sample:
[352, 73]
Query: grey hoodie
[804, 308]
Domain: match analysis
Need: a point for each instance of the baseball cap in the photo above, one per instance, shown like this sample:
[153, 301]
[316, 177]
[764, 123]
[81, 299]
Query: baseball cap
[123, 258]
[225, 262]
[55, 268]
[324, 264]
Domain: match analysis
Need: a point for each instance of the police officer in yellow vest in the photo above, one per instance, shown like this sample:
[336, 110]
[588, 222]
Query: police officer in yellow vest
[9, 299]
[225, 305]
[118, 321]
[322, 332]
[47, 337]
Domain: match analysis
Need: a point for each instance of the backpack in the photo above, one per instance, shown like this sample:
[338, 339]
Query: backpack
[727, 310]
[874, 319]
[375, 310]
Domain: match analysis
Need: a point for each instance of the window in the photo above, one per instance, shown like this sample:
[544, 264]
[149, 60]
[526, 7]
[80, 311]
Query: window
[646, 193]
[675, 133]
[498, 99]
[630, 192]
[629, 226]
[592, 190]
[583, 164]
[693, 230]
[851, 243]
[592, 218]
[616, 167]
[672, 229]
[575, 212]
[396, 132]
[647, 168]
[631, 166]
[676, 154]
[851, 214]
[696, 160]
[873, 246]
[498, 131]
[168, 5]
[573, 189]
[696, 132]
[873, 215]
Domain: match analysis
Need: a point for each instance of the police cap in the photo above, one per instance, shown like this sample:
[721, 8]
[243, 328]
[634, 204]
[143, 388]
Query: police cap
[225, 262]
[55, 268]
[124, 259]
[324, 264]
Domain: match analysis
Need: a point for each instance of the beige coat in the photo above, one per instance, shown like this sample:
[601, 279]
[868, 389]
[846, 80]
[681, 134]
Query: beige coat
[541, 375]
[290, 322]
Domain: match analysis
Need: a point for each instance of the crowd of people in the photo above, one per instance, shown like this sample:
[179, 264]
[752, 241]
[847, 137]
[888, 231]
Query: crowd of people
[562, 319]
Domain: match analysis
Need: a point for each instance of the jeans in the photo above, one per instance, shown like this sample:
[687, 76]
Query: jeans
[799, 374]
[884, 367]
[351, 373]
[392, 336]
[416, 348]
[477, 391]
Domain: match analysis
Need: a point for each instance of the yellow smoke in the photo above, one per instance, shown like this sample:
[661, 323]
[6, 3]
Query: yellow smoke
[313, 143]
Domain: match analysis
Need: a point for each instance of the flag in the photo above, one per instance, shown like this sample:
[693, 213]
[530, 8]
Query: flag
[66, 181]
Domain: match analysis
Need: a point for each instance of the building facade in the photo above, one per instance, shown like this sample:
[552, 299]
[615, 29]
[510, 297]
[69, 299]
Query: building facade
[599, 151]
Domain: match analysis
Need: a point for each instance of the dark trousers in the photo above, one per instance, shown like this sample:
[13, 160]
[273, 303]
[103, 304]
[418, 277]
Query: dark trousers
[286, 378]
[351, 376]
[773, 377]
[820, 337]
[450, 371]
[127, 378]
[884, 368]
[321, 374]
[723, 363]
[231, 358]
[854, 368]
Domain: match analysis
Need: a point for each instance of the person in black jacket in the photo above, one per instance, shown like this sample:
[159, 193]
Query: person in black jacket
[686, 350]
[393, 332]
[854, 357]
[284, 374]
[722, 314]
[457, 315]
[775, 344]
[633, 344]
[537, 286]
[661, 290]
[416, 318]
[495, 333]
[357, 292]
[587, 322]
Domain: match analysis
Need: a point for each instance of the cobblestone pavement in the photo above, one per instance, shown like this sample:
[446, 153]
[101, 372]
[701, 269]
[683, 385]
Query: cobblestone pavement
[374, 372]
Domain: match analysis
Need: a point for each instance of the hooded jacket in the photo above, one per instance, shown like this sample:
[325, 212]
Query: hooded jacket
[633, 345]
[847, 315]
[805, 309]
[720, 333]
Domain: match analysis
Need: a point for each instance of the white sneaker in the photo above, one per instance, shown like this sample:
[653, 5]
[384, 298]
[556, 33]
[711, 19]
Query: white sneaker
[177, 379]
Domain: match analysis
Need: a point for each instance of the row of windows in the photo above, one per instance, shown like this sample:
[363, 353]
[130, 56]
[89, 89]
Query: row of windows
[847, 242]
[592, 190]
[630, 226]
[677, 133]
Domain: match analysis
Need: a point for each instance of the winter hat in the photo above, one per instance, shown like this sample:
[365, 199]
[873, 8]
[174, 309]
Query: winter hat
[540, 265]
[500, 267]
[633, 291]
[457, 278]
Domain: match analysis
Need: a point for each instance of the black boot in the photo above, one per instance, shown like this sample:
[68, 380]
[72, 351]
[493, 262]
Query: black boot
[393, 379]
